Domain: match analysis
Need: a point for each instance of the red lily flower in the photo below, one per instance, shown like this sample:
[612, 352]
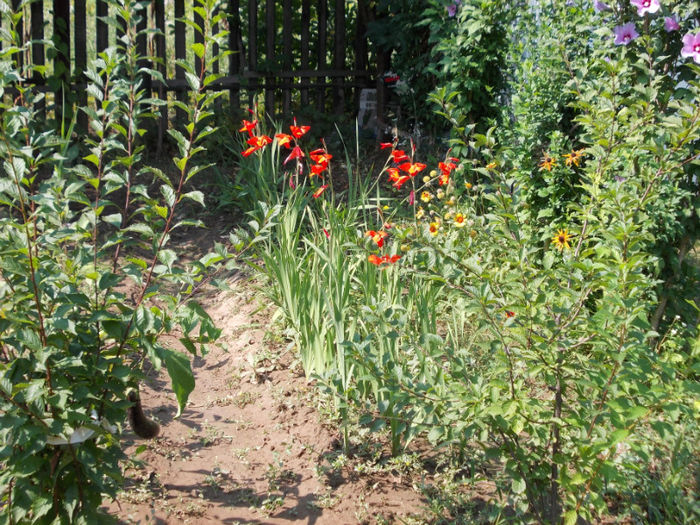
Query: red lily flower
[399, 155]
[401, 181]
[377, 237]
[444, 179]
[256, 143]
[317, 169]
[299, 131]
[295, 154]
[249, 126]
[384, 145]
[384, 259]
[320, 156]
[319, 191]
[393, 174]
[412, 169]
[284, 140]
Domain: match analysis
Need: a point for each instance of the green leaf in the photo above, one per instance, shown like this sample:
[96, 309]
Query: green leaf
[181, 376]
[570, 517]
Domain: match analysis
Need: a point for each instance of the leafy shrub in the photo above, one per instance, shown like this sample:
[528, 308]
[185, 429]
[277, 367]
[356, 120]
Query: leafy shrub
[89, 281]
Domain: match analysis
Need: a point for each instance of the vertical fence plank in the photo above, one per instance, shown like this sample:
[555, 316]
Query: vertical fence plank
[17, 58]
[252, 48]
[80, 21]
[339, 56]
[305, 29]
[38, 58]
[287, 56]
[269, 57]
[321, 54]
[159, 15]
[101, 27]
[142, 43]
[234, 60]
[61, 62]
[360, 44]
[215, 47]
[180, 51]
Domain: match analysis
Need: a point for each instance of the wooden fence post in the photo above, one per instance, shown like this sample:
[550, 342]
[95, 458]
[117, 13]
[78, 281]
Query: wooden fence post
[61, 63]
[234, 61]
[38, 58]
[80, 28]
[269, 57]
[339, 56]
[321, 54]
[287, 56]
[305, 30]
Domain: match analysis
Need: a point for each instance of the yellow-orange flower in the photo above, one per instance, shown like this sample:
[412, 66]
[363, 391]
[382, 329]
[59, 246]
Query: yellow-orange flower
[433, 229]
[547, 163]
[573, 158]
[561, 240]
[460, 221]
[426, 196]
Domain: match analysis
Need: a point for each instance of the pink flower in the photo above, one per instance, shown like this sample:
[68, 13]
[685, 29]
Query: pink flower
[411, 198]
[625, 34]
[691, 47]
[599, 6]
[671, 24]
[646, 6]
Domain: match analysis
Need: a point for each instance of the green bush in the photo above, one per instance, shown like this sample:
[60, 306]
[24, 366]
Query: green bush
[89, 280]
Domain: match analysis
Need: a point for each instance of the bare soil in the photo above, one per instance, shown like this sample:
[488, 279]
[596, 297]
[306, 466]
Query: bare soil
[257, 443]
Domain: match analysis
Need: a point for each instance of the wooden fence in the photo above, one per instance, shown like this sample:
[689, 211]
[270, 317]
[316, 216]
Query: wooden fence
[299, 53]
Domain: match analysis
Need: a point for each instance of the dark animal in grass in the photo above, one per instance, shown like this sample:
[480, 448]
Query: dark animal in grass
[142, 426]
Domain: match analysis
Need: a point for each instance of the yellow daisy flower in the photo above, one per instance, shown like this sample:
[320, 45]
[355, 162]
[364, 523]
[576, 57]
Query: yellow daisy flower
[426, 196]
[460, 221]
[561, 240]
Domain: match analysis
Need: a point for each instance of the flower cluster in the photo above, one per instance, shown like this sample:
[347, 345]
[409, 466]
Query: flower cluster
[320, 157]
[570, 159]
[626, 33]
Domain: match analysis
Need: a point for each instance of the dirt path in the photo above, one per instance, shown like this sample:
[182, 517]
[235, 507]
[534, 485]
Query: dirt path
[252, 446]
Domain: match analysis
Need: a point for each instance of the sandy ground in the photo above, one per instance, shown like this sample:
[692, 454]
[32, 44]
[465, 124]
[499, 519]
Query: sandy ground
[256, 443]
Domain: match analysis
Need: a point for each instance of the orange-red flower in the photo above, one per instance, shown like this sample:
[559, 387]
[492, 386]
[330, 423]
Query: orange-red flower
[317, 169]
[399, 155]
[393, 174]
[299, 131]
[401, 181]
[319, 191]
[384, 145]
[377, 237]
[256, 143]
[444, 179]
[249, 126]
[284, 140]
[320, 156]
[412, 168]
[295, 154]
[510, 314]
[384, 259]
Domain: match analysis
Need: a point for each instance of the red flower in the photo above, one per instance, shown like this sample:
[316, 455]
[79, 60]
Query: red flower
[401, 181]
[317, 169]
[320, 156]
[256, 143]
[393, 174]
[377, 237]
[295, 154]
[510, 314]
[412, 169]
[284, 140]
[249, 126]
[328, 235]
[319, 191]
[299, 131]
[384, 259]
[399, 155]
[444, 179]
[385, 145]
[411, 198]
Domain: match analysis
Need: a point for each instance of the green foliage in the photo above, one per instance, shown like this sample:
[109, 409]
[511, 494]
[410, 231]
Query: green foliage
[89, 282]
[541, 340]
